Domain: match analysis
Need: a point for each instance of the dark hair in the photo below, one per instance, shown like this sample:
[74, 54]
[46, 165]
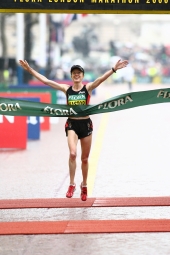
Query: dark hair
[76, 67]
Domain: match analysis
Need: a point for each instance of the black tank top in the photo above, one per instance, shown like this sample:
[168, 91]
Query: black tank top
[80, 97]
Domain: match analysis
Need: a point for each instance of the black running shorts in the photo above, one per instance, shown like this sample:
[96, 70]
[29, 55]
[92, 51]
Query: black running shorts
[82, 127]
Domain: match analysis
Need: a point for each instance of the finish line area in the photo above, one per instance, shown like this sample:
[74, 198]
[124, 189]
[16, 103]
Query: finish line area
[84, 226]
[77, 203]
[129, 191]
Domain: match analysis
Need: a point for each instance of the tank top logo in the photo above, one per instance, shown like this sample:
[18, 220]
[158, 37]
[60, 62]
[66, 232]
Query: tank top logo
[77, 99]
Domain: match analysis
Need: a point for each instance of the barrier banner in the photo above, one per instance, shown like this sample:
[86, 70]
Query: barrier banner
[118, 103]
[13, 132]
[44, 97]
[33, 122]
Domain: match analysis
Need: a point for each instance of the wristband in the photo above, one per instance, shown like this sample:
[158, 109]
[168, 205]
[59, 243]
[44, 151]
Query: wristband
[113, 70]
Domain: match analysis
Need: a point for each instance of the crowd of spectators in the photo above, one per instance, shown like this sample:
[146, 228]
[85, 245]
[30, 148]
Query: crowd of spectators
[147, 65]
[151, 65]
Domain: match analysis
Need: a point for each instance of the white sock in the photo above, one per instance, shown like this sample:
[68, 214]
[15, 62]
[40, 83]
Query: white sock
[83, 185]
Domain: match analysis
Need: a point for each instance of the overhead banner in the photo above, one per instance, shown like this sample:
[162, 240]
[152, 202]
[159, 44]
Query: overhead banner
[86, 6]
[16, 107]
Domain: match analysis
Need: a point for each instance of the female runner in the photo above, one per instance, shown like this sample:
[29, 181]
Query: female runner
[77, 128]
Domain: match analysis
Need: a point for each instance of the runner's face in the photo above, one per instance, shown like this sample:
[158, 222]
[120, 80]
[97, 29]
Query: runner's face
[77, 75]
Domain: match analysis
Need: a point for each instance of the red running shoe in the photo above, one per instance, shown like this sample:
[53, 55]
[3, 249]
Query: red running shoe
[83, 193]
[70, 191]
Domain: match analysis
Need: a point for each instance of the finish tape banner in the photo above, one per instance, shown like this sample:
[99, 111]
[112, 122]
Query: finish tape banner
[15, 107]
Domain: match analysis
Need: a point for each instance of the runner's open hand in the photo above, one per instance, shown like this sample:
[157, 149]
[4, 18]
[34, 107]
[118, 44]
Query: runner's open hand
[120, 64]
[25, 65]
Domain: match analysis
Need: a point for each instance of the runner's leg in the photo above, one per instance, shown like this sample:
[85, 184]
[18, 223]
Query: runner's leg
[85, 148]
[72, 144]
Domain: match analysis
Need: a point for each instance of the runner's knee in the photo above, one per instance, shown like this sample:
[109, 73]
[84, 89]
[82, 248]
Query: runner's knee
[73, 156]
[84, 160]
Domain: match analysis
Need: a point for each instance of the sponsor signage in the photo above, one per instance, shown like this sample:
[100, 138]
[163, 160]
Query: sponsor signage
[86, 6]
[13, 132]
[118, 103]
[45, 97]
[33, 122]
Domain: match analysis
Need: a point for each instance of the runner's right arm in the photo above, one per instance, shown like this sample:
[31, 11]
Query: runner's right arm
[42, 78]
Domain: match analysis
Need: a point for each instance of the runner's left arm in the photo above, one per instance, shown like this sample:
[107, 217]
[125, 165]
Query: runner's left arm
[119, 65]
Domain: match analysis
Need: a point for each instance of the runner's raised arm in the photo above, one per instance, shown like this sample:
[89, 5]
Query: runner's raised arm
[119, 65]
[42, 78]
